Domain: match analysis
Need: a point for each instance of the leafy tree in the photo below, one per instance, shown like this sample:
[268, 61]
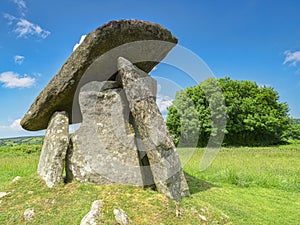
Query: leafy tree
[253, 114]
[294, 131]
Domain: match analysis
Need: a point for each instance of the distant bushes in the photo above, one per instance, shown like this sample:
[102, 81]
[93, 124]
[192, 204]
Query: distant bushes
[253, 114]
[36, 140]
[20, 150]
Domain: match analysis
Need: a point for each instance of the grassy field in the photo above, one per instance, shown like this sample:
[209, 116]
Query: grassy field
[242, 186]
[21, 141]
[252, 185]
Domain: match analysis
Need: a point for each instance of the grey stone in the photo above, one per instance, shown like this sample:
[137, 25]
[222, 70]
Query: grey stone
[103, 150]
[16, 179]
[29, 214]
[121, 217]
[93, 216]
[203, 218]
[50, 201]
[3, 194]
[95, 59]
[164, 161]
[54, 149]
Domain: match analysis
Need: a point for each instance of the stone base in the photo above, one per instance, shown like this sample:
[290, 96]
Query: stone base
[54, 149]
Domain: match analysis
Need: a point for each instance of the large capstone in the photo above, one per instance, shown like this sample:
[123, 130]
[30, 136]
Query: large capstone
[103, 149]
[164, 161]
[143, 43]
[54, 149]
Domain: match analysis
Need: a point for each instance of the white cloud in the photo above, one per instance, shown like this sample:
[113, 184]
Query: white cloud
[10, 18]
[292, 58]
[19, 59]
[24, 28]
[264, 85]
[36, 74]
[13, 80]
[15, 125]
[21, 5]
[163, 102]
[77, 44]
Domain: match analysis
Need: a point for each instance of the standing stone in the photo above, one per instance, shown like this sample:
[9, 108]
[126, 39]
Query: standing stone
[164, 161]
[54, 149]
[103, 150]
[93, 216]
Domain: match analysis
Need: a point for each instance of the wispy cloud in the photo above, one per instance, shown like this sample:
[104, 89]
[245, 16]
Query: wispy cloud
[15, 125]
[10, 18]
[19, 59]
[21, 6]
[163, 102]
[291, 58]
[77, 44]
[13, 80]
[24, 28]
[36, 74]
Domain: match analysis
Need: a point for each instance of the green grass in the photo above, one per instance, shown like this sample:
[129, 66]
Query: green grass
[251, 185]
[19, 160]
[68, 203]
[242, 186]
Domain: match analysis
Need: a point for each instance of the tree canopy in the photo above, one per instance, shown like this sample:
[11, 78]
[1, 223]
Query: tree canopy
[244, 112]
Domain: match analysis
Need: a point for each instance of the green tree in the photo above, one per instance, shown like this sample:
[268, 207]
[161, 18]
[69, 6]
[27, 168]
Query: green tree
[294, 131]
[253, 114]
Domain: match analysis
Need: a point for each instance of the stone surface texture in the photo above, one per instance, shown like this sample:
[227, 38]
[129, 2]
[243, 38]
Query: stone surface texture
[29, 214]
[93, 216]
[61, 90]
[103, 149]
[164, 161]
[3, 194]
[54, 149]
[16, 179]
[121, 217]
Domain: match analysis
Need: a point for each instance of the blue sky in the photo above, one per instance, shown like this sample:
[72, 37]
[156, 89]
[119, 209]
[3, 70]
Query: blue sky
[246, 40]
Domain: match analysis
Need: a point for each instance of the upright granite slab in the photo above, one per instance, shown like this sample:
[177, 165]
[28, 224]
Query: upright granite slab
[54, 149]
[164, 161]
[95, 59]
[103, 150]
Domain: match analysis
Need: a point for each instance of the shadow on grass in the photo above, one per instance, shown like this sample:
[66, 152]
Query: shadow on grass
[196, 185]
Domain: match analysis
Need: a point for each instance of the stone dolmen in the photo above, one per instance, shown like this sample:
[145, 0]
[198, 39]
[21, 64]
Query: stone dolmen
[105, 86]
